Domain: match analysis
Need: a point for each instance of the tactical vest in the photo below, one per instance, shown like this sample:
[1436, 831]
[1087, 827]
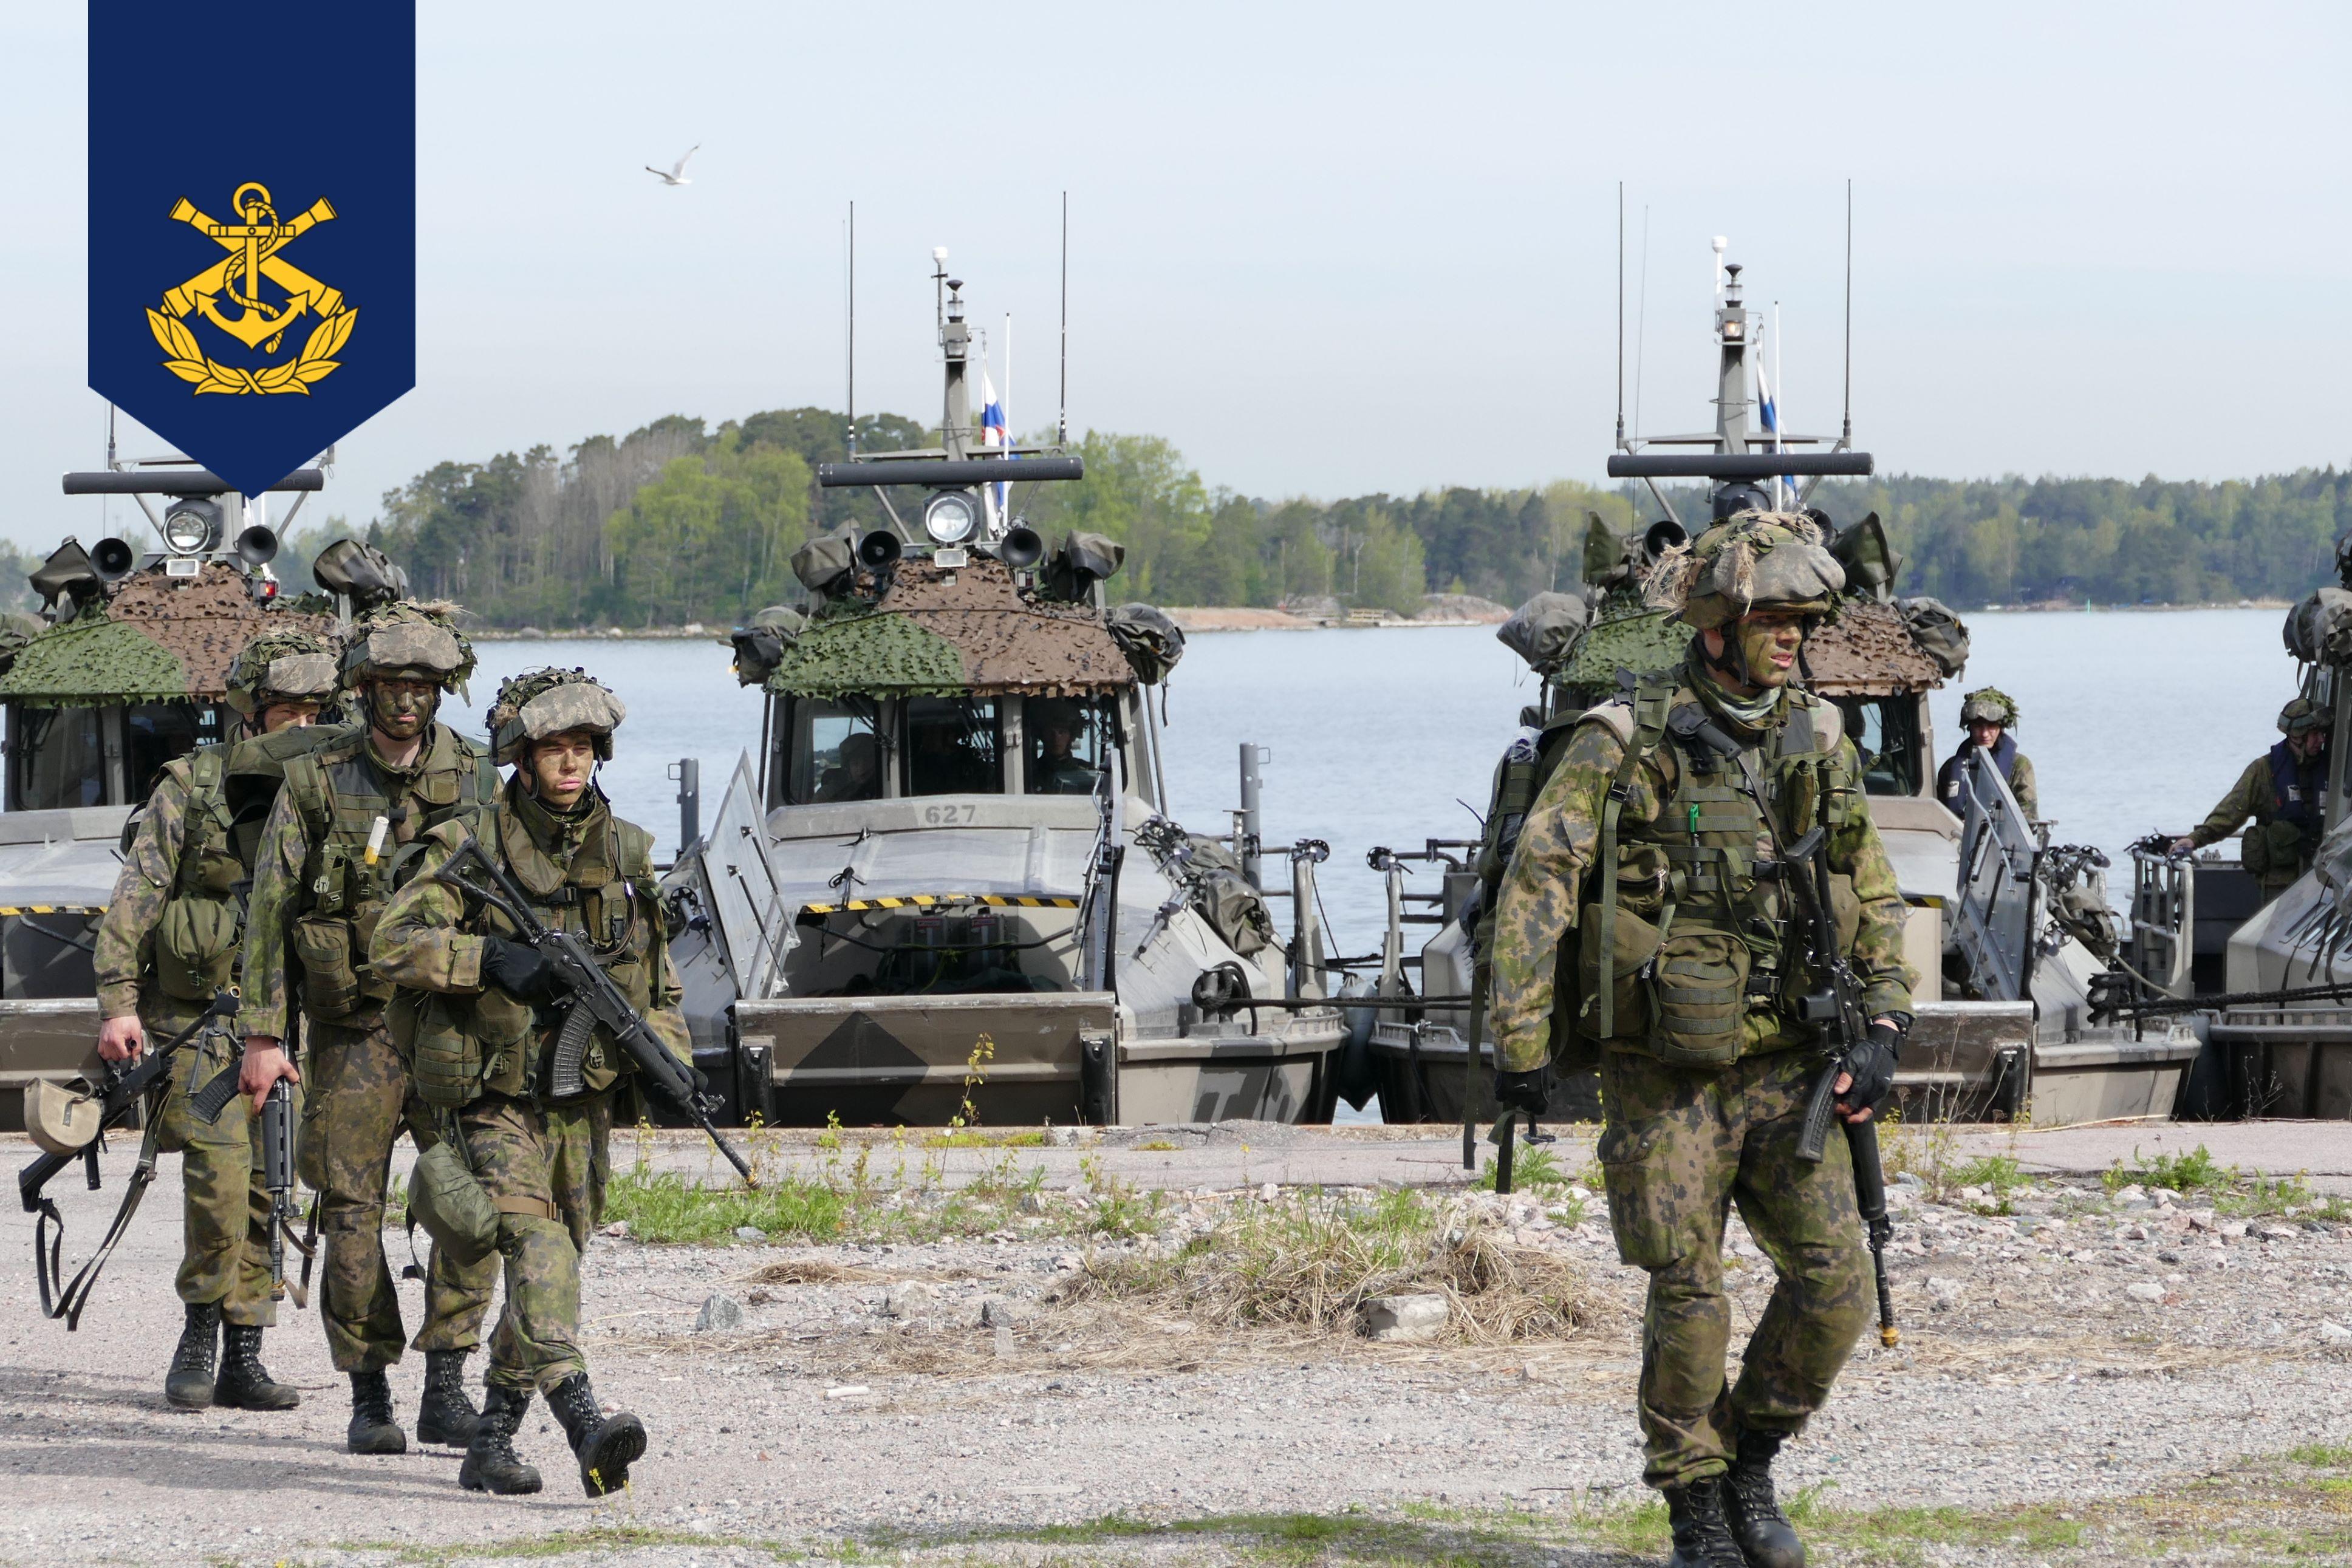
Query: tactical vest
[462, 1047]
[1697, 929]
[2279, 845]
[340, 794]
[230, 790]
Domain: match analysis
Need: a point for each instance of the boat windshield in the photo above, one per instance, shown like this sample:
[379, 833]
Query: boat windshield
[57, 757]
[834, 754]
[953, 746]
[1887, 729]
[1067, 744]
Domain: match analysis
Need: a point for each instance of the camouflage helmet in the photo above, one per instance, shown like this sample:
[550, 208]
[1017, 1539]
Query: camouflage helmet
[2301, 715]
[1988, 705]
[406, 638]
[539, 703]
[281, 666]
[1757, 561]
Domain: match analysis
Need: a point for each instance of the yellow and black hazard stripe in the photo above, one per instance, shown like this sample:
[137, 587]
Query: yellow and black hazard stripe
[931, 900]
[52, 909]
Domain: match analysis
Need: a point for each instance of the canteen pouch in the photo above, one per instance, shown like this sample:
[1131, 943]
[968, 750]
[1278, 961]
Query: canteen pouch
[1636, 942]
[445, 1059]
[195, 948]
[322, 945]
[456, 1209]
[1702, 978]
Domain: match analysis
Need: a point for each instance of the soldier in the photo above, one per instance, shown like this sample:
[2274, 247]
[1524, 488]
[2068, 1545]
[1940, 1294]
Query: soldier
[320, 885]
[542, 1159]
[2282, 791]
[1054, 768]
[1989, 716]
[169, 941]
[1650, 841]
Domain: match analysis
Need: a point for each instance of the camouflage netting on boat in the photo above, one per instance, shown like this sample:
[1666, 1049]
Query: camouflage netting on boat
[1868, 651]
[938, 632]
[156, 639]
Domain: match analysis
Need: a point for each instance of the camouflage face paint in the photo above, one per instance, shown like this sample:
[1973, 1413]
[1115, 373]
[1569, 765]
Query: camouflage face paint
[1769, 642]
[400, 709]
[562, 766]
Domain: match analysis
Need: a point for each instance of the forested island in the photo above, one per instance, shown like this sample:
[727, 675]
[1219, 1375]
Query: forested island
[680, 522]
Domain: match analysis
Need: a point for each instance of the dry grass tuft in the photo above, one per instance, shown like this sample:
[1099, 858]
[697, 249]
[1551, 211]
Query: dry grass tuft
[1310, 1262]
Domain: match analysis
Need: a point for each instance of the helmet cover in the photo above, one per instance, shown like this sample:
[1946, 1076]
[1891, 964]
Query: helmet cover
[532, 707]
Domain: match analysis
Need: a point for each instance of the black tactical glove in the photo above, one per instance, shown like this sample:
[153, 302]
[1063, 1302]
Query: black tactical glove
[1872, 1064]
[516, 969]
[1528, 1092]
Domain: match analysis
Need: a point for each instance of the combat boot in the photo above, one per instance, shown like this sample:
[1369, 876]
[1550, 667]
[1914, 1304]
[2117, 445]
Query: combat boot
[1703, 1537]
[1765, 1535]
[446, 1415]
[605, 1445]
[189, 1384]
[245, 1384]
[491, 1463]
[373, 1430]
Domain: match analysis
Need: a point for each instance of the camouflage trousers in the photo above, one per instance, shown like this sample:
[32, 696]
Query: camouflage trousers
[544, 1166]
[358, 1105]
[225, 1209]
[1679, 1148]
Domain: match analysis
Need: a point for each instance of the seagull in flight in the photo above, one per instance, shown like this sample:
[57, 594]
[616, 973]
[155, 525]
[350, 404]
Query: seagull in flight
[676, 175]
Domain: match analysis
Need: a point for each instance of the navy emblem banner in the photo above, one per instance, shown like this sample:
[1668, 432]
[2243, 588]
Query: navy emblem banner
[252, 224]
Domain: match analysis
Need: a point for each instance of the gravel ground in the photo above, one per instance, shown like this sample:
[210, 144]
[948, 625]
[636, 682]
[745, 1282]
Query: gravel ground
[2104, 1357]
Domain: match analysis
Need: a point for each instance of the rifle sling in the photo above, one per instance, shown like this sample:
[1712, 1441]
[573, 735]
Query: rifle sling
[68, 1301]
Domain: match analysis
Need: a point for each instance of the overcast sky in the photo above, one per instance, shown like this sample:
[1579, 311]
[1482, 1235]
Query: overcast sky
[1325, 249]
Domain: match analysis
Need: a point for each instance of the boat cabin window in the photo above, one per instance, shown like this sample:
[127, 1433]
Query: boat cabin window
[57, 757]
[832, 754]
[951, 747]
[162, 731]
[1886, 731]
[1067, 742]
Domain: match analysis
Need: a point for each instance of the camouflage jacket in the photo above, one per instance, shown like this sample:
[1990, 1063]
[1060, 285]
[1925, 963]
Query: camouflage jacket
[2253, 798]
[283, 890]
[127, 931]
[1545, 885]
[431, 936]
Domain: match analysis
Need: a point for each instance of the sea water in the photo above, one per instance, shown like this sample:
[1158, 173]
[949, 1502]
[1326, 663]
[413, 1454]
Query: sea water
[2136, 720]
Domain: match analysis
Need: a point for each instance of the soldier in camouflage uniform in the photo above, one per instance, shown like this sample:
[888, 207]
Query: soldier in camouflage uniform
[168, 941]
[1989, 716]
[478, 1028]
[333, 843]
[2281, 791]
[1650, 843]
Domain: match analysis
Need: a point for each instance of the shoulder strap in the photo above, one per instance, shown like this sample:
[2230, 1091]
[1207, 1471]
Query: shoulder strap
[636, 850]
[1648, 716]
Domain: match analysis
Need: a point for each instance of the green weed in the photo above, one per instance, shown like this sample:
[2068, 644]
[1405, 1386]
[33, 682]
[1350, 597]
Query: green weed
[663, 1205]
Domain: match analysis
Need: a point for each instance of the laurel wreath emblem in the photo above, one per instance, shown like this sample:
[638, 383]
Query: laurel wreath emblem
[190, 363]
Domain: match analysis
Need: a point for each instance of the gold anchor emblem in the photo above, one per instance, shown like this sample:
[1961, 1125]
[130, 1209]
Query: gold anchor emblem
[253, 244]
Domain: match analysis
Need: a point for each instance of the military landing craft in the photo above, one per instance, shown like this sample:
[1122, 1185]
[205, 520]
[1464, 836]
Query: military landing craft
[123, 670]
[949, 885]
[2006, 931]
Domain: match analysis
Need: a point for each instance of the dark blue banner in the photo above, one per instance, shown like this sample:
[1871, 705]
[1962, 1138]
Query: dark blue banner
[252, 224]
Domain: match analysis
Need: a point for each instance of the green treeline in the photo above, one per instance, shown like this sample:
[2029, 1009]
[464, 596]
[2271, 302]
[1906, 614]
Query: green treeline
[679, 522]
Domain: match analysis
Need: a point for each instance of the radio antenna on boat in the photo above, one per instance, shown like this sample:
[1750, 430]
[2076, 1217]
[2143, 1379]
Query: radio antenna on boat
[1062, 416]
[850, 336]
[1846, 439]
[1620, 314]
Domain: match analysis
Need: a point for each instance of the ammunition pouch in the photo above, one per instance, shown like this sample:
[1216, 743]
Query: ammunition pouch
[432, 1034]
[447, 1198]
[1701, 988]
[197, 948]
[2272, 850]
[330, 983]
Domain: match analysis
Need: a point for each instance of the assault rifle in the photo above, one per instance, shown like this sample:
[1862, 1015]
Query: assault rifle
[1803, 872]
[124, 1087]
[1837, 1007]
[277, 1170]
[588, 998]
